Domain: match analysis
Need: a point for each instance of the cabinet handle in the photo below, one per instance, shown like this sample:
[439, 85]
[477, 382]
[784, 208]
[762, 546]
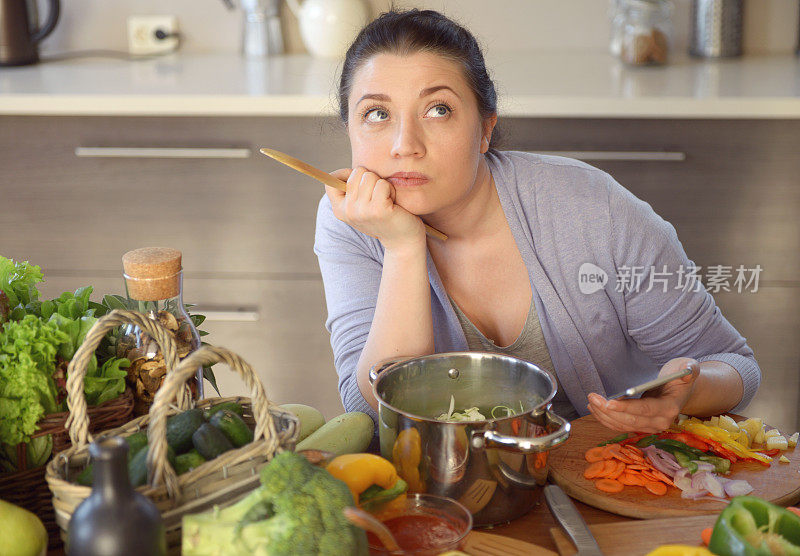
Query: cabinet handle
[636, 156]
[228, 314]
[161, 152]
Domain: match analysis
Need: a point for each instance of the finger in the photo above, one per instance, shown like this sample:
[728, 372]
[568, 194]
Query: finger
[383, 191]
[353, 181]
[606, 421]
[366, 186]
[342, 174]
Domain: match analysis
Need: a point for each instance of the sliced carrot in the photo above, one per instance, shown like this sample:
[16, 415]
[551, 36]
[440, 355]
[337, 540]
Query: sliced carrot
[631, 479]
[609, 485]
[594, 470]
[634, 454]
[618, 471]
[705, 535]
[595, 454]
[638, 467]
[656, 487]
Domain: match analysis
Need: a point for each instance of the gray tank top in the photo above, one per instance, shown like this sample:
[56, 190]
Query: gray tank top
[529, 346]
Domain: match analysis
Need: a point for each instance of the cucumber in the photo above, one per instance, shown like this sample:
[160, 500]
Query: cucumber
[233, 427]
[137, 467]
[136, 442]
[348, 433]
[188, 461]
[210, 442]
[231, 406]
[310, 418]
[181, 427]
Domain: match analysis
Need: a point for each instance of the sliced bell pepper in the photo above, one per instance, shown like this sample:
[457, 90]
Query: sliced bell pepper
[372, 480]
[750, 526]
[687, 438]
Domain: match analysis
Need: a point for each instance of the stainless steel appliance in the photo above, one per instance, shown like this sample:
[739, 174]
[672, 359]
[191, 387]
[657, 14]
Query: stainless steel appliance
[495, 467]
[17, 41]
[716, 28]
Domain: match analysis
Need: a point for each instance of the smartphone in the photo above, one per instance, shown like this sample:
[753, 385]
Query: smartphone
[655, 383]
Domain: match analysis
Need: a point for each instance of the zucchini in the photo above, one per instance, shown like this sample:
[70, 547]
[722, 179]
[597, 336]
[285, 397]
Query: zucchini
[210, 442]
[181, 427]
[136, 442]
[137, 466]
[310, 418]
[348, 433]
[233, 427]
[230, 406]
[188, 461]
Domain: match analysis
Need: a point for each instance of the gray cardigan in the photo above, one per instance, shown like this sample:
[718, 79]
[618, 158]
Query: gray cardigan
[563, 213]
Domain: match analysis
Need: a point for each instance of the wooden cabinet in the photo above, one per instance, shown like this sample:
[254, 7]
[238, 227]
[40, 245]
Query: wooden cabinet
[245, 224]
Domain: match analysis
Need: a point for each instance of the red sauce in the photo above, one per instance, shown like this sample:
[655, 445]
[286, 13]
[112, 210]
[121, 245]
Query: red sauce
[419, 532]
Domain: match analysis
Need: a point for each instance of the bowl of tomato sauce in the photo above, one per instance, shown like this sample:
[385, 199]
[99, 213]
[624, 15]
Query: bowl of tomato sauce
[428, 525]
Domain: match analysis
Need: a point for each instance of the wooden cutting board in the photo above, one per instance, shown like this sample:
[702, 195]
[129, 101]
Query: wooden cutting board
[635, 538]
[779, 483]
[488, 544]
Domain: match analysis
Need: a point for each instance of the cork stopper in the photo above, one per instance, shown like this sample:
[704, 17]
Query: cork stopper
[152, 273]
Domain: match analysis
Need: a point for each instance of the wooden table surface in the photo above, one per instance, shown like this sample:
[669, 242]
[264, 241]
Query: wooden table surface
[534, 527]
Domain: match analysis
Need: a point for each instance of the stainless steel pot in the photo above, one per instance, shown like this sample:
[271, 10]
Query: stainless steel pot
[496, 467]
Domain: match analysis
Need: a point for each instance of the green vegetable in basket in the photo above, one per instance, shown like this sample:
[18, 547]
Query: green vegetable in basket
[18, 281]
[296, 510]
[28, 351]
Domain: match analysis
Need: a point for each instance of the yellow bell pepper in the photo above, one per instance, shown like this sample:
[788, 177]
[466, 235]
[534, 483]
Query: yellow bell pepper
[724, 437]
[680, 550]
[360, 472]
[406, 456]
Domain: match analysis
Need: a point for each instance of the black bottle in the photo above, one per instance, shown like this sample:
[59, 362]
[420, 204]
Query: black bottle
[114, 520]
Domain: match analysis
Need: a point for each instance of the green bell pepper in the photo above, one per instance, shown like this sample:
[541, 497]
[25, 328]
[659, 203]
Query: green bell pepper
[750, 526]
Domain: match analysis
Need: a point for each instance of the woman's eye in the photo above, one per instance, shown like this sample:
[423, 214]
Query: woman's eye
[439, 111]
[376, 115]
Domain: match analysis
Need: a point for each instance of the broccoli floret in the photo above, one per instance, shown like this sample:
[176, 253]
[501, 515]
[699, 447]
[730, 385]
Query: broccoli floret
[297, 510]
[286, 473]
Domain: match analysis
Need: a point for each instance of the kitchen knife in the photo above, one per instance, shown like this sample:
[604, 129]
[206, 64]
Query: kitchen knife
[568, 517]
[649, 385]
[326, 178]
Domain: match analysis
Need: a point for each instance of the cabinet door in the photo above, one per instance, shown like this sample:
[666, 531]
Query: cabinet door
[228, 215]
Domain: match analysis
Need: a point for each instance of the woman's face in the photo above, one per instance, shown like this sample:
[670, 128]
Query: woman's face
[417, 115]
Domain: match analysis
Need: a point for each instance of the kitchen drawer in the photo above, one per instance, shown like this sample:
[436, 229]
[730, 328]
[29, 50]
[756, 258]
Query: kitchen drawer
[278, 326]
[227, 215]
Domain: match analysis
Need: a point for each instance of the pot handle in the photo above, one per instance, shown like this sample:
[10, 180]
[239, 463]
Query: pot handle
[380, 366]
[493, 439]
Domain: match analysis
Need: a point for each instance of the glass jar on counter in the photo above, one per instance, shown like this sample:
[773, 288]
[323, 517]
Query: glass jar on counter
[154, 283]
[642, 30]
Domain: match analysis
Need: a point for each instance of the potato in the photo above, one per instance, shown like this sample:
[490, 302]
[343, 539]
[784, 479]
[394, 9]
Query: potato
[793, 439]
[771, 433]
[752, 426]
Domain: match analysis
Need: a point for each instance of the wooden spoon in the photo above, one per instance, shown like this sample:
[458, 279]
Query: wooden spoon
[327, 179]
[369, 522]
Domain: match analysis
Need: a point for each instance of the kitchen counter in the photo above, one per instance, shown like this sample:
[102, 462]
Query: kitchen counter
[530, 84]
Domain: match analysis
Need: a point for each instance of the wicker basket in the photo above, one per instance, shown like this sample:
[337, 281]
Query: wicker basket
[27, 487]
[220, 481]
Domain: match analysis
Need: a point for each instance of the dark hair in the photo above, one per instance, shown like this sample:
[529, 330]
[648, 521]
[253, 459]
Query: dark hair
[411, 31]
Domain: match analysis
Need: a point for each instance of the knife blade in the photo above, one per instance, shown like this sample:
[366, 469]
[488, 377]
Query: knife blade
[571, 521]
[327, 179]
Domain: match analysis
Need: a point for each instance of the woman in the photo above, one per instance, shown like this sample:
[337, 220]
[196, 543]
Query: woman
[420, 111]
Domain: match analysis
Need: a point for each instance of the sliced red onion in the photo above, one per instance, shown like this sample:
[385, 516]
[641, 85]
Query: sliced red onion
[737, 487]
[699, 480]
[713, 486]
[694, 494]
[704, 466]
[682, 480]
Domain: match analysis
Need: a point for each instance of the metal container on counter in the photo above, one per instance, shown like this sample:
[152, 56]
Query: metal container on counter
[495, 467]
[716, 28]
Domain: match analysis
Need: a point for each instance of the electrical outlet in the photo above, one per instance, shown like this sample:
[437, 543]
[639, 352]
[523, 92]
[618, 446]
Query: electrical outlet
[144, 32]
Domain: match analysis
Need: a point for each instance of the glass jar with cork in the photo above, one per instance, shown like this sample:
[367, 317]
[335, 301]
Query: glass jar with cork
[644, 31]
[154, 283]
